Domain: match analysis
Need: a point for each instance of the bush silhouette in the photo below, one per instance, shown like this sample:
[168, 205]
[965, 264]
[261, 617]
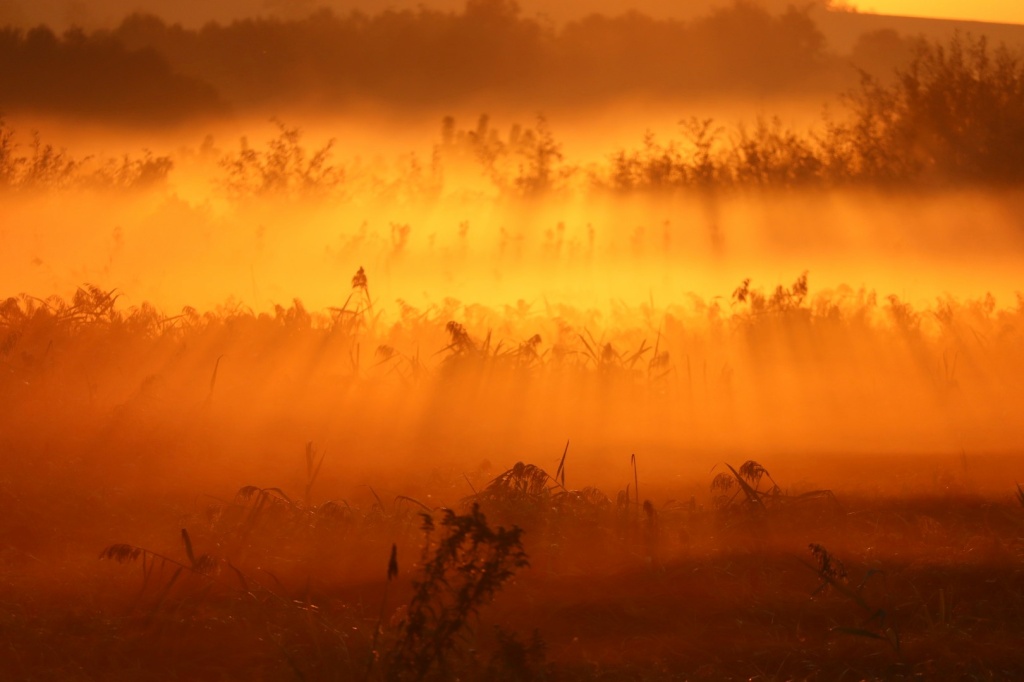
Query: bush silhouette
[955, 114]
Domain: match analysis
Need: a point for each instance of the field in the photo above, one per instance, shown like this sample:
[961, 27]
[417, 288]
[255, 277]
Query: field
[404, 395]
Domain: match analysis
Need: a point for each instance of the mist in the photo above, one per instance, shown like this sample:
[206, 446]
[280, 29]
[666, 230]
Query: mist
[720, 296]
[315, 323]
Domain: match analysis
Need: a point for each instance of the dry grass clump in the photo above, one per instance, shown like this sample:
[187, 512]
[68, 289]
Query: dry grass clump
[562, 525]
[46, 168]
[741, 491]
[833, 575]
[284, 168]
[526, 162]
[463, 568]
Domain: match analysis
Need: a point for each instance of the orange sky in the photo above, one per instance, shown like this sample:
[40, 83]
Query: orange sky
[1008, 11]
[199, 11]
[61, 13]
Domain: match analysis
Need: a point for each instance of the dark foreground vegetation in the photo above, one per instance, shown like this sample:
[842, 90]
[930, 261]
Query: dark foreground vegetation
[155, 526]
[529, 578]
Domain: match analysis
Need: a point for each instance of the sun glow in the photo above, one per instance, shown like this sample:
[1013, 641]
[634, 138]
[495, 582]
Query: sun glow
[996, 11]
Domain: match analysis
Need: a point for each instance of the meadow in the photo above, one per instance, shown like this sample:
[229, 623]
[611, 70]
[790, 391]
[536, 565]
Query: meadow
[722, 402]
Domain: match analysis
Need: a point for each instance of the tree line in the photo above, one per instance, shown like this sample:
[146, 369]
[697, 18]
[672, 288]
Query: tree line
[148, 69]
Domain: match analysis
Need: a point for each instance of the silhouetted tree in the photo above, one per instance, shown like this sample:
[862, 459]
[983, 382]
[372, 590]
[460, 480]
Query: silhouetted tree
[95, 76]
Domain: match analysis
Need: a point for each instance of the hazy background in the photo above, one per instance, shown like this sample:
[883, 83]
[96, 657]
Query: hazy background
[904, 338]
[166, 66]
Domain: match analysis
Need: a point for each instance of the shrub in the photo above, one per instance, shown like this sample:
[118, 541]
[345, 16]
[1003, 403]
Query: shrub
[283, 168]
[464, 566]
[956, 113]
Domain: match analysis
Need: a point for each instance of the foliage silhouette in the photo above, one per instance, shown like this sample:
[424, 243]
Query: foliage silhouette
[47, 168]
[96, 76]
[464, 566]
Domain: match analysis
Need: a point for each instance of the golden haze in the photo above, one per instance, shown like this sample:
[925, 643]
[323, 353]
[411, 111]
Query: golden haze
[680, 380]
